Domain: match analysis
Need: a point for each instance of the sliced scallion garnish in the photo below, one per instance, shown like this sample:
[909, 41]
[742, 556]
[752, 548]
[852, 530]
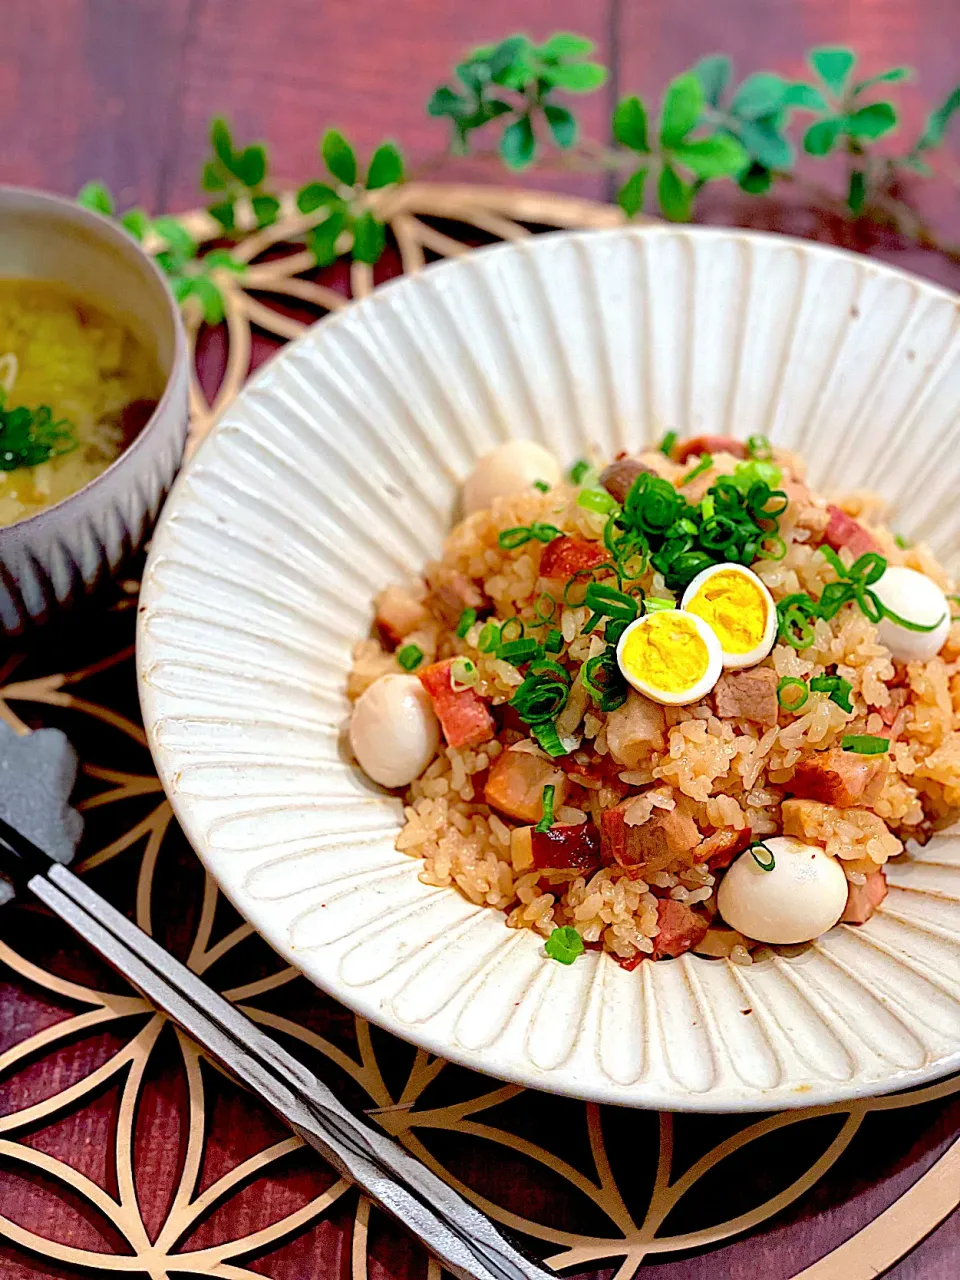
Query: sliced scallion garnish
[579, 470]
[792, 703]
[705, 463]
[838, 689]
[666, 444]
[546, 822]
[765, 863]
[865, 744]
[467, 619]
[564, 945]
[463, 674]
[410, 656]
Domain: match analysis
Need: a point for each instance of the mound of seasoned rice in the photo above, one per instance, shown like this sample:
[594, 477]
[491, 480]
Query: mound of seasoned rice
[706, 780]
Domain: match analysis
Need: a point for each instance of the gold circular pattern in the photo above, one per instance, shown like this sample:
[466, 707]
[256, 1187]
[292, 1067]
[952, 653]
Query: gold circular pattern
[564, 1174]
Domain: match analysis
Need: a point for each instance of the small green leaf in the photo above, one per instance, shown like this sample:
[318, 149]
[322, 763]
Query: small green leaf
[369, 238]
[873, 121]
[96, 196]
[212, 178]
[251, 166]
[756, 180]
[765, 144]
[339, 157]
[885, 77]
[210, 297]
[177, 237]
[857, 192]
[630, 195]
[759, 95]
[221, 141]
[444, 102]
[564, 44]
[225, 260]
[562, 124]
[675, 197]
[682, 107]
[386, 167]
[714, 75]
[579, 77]
[717, 157]
[804, 96]
[225, 214]
[314, 195]
[833, 66]
[507, 63]
[322, 240]
[630, 124]
[266, 209]
[821, 137]
[937, 122]
[136, 222]
[518, 146]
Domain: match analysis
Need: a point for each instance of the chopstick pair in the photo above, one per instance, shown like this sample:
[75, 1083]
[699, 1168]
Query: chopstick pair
[465, 1240]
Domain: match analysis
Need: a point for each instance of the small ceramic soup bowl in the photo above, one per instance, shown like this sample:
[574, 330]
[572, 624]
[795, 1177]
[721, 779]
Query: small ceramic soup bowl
[50, 558]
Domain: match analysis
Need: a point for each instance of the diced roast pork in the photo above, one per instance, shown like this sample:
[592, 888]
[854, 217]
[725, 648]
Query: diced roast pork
[651, 845]
[454, 593]
[564, 847]
[748, 695]
[687, 449]
[863, 899]
[464, 716]
[563, 557]
[840, 778]
[618, 478]
[843, 531]
[681, 928]
[515, 785]
[720, 849]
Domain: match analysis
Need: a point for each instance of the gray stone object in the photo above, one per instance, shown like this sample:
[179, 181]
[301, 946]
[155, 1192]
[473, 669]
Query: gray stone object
[37, 773]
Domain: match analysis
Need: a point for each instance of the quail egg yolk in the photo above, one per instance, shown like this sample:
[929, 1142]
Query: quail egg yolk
[667, 653]
[735, 608]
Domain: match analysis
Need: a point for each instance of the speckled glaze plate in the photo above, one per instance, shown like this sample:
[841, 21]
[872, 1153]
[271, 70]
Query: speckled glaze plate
[337, 470]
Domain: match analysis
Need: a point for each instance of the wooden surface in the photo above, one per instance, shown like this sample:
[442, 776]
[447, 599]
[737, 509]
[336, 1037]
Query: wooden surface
[122, 90]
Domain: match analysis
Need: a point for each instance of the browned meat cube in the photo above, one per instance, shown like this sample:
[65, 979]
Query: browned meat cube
[720, 849]
[515, 785]
[567, 847]
[400, 611]
[666, 836]
[680, 928]
[863, 899]
[748, 695]
[840, 778]
[464, 716]
[618, 478]
[693, 448]
[563, 557]
[844, 531]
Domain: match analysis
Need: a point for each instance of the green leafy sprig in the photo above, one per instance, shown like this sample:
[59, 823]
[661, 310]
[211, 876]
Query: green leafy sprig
[515, 84]
[29, 437]
[235, 175]
[346, 218]
[177, 253]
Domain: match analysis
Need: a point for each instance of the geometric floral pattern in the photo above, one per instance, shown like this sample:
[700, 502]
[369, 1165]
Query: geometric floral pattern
[124, 1149]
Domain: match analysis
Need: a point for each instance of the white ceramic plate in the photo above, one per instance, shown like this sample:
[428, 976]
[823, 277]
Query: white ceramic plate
[336, 471]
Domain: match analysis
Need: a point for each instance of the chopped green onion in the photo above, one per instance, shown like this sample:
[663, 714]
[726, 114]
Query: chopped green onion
[759, 447]
[467, 619]
[903, 543]
[582, 578]
[838, 689]
[520, 651]
[545, 732]
[705, 463]
[708, 507]
[865, 744]
[512, 629]
[603, 680]
[554, 640]
[794, 613]
[564, 945]
[905, 622]
[792, 682]
[666, 444]
[579, 470]
[765, 864]
[747, 474]
[511, 539]
[610, 602]
[653, 604]
[779, 548]
[546, 822]
[410, 656]
[541, 485]
[541, 618]
[463, 674]
[489, 638]
[597, 500]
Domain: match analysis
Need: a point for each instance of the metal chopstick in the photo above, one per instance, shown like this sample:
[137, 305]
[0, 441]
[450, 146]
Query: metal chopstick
[463, 1238]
